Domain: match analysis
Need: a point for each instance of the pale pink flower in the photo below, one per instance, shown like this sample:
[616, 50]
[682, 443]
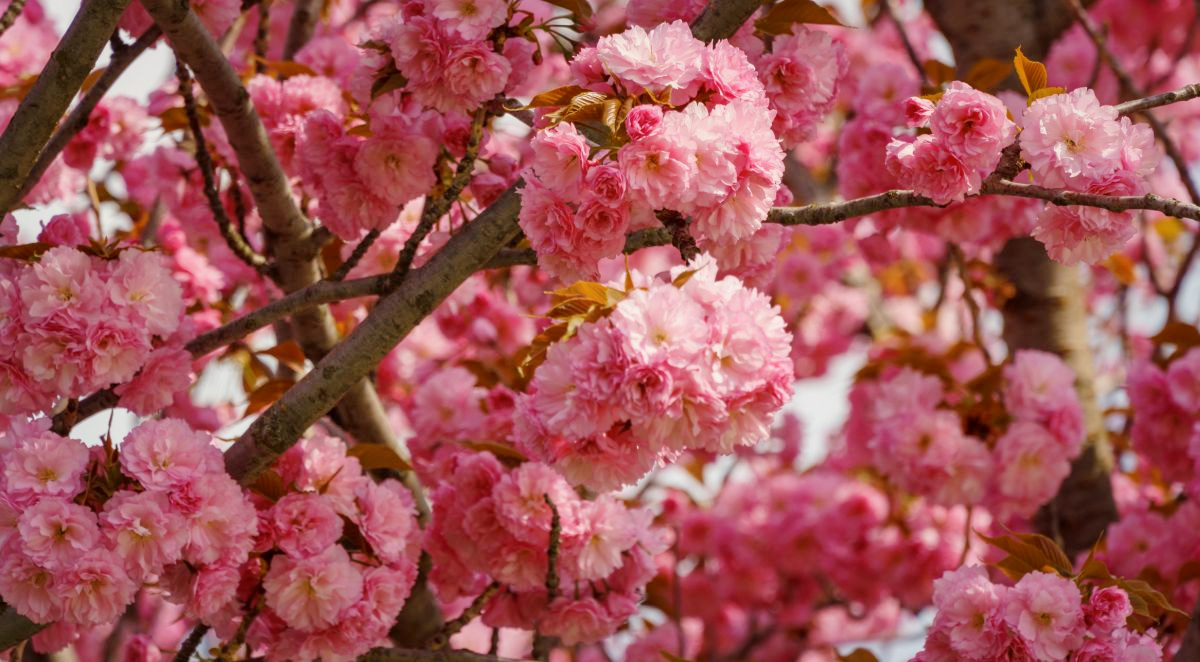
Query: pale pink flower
[143, 531]
[607, 533]
[560, 158]
[606, 184]
[27, 587]
[972, 125]
[1045, 609]
[666, 57]
[397, 168]
[221, 521]
[388, 520]
[1074, 234]
[63, 282]
[167, 372]
[164, 454]
[971, 612]
[142, 284]
[928, 168]
[309, 594]
[44, 465]
[577, 621]
[55, 533]
[1070, 136]
[214, 587]
[1030, 464]
[729, 76]
[660, 169]
[473, 19]
[304, 524]
[94, 590]
[318, 463]
[520, 503]
[473, 73]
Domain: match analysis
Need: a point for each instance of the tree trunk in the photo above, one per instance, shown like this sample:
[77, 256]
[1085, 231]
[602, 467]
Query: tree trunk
[1047, 312]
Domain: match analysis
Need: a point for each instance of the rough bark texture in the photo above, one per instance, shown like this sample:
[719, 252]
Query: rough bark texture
[38, 114]
[1047, 312]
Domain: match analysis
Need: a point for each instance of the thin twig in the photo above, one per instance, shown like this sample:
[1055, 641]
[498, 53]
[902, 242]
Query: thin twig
[356, 256]
[887, 9]
[552, 551]
[438, 203]
[960, 262]
[1185, 93]
[234, 239]
[10, 15]
[442, 639]
[262, 36]
[189, 645]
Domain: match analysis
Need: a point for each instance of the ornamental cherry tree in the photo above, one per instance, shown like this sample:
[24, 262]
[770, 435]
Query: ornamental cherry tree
[518, 296]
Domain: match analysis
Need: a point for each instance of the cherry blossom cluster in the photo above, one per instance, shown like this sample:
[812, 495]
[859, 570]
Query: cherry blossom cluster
[82, 530]
[695, 138]
[787, 553]
[72, 323]
[698, 362]
[968, 130]
[558, 564]
[336, 557]
[1072, 141]
[1044, 617]
[1166, 416]
[935, 436]
[318, 570]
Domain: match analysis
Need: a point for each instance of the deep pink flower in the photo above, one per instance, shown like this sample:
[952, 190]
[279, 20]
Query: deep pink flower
[304, 524]
[972, 125]
[928, 168]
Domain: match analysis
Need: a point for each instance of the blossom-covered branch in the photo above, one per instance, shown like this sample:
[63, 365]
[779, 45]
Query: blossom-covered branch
[41, 109]
[415, 655]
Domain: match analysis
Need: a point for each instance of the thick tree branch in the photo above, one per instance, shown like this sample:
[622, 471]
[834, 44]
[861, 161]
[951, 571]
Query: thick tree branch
[289, 233]
[40, 110]
[15, 628]
[78, 118]
[390, 321]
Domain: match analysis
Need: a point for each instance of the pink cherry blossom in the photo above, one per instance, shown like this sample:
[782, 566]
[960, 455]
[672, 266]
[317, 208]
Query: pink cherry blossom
[1045, 610]
[309, 594]
[167, 453]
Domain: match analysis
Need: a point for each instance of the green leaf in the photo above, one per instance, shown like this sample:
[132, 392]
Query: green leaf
[780, 18]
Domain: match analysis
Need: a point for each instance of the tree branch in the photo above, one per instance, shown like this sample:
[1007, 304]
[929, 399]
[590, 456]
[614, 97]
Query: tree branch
[392, 318]
[1185, 93]
[721, 18]
[78, 118]
[40, 110]
[302, 27]
[10, 15]
[289, 233]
